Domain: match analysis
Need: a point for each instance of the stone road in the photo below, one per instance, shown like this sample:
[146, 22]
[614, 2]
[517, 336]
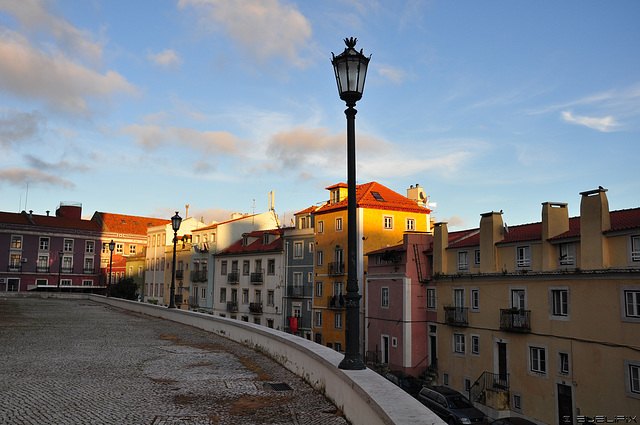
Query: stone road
[78, 362]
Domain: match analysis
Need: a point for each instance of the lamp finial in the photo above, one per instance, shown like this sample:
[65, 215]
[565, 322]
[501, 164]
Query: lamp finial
[351, 42]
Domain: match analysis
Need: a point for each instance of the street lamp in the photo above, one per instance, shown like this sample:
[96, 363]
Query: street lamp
[60, 254]
[112, 246]
[350, 68]
[175, 223]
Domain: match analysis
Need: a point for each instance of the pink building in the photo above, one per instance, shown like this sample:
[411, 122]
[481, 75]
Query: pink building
[397, 320]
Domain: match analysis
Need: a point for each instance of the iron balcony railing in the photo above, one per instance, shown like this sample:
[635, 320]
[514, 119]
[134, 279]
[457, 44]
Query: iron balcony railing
[16, 267]
[66, 269]
[298, 291]
[336, 268]
[301, 322]
[456, 316]
[42, 269]
[255, 308]
[515, 320]
[89, 270]
[233, 277]
[199, 276]
[179, 274]
[336, 302]
[232, 306]
[489, 381]
[257, 277]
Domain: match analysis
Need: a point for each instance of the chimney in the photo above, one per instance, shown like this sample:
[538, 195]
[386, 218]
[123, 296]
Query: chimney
[594, 220]
[491, 232]
[555, 221]
[417, 195]
[48, 213]
[440, 244]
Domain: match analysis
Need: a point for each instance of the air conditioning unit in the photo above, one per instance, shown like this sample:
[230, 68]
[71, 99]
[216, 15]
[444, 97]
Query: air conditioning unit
[24, 260]
[3, 280]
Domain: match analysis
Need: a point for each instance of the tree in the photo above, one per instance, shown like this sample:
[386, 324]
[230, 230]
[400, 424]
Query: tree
[125, 288]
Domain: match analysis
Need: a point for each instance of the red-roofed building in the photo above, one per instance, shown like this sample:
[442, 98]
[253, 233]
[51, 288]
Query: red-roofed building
[249, 277]
[541, 320]
[383, 216]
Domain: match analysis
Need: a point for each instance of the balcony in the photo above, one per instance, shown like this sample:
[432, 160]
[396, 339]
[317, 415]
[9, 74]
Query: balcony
[232, 306]
[492, 390]
[89, 270]
[297, 324]
[298, 291]
[257, 278]
[456, 316]
[255, 308]
[336, 269]
[515, 320]
[67, 269]
[233, 277]
[199, 276]
[42, 269]
[180, 274]
[16, 267]
[336, 302]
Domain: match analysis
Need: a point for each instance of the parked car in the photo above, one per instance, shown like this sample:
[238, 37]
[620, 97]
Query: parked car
[512, 421]
[450, 405]
[405, 381]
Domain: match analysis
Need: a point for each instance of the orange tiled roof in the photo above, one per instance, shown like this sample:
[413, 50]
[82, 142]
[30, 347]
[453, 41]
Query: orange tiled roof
[48, 221]
[373, 195]
[128, 224]
[257, 245]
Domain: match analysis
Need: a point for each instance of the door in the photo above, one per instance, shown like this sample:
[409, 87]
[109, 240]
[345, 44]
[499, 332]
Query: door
[565, 404]
[433, 351]
[13, 285]
[502, 362]
[385, 349]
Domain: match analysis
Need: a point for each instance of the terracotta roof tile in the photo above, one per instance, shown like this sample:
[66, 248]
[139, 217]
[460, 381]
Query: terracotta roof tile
[258, 245]
[128, 224]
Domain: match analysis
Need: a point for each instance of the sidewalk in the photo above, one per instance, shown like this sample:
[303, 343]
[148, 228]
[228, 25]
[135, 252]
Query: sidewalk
[79, 362]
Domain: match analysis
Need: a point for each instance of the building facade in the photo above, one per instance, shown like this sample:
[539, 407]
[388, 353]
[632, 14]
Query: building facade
[542, 320]
[383, 216]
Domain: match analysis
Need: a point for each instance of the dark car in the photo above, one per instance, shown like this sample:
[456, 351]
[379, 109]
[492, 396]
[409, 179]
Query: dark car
[450, 405]
[405, 381]
[512, 421]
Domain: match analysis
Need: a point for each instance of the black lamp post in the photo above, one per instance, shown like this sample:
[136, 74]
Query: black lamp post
[351, 70]
[60, 254]
[175, 223]
[112, 246]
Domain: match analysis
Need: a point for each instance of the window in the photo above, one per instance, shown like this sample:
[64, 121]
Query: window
[560, 302]
[223, 295]
[234, 266]
[297, 280]
[523, 256]
[632, 303]
[16, 242]
[394, 341]
[458, 297]
[563, 363]
[318, 319]
[385, 297]
[475, 344]
[635, 249]
[459, 342]
[566, 254]
[223, 268]
[120, 248]
[337, 320]
[203, 293]
[65, 282]
[335, 196]
[105, 247]
[319, 258]
[518, 299]
[271, 298]
[538, 359]
[463, 260]
[320, 226]
[517, 402]
[431, 298]
[44, 244]
[311, 247]
[338, 288]
[476, 258]
[41, 282]
[88, 265]
[445, 379]
[475, 299]
[139, 271]
[89, 247]
[245, 296]
[297, 250]
[68, 245]
[132, 250]
[632, 375]
[411, 224]
[319, 289]
[245, 267]
[339, 224]
[388, 222]
[43, 263]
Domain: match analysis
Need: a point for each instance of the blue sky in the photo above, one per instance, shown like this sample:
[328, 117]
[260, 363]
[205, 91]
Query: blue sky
[140, 107]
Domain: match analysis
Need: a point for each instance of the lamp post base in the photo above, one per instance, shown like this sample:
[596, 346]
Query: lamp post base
[352, 363]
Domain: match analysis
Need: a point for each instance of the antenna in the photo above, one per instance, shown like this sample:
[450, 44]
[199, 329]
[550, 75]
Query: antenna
[187, 213]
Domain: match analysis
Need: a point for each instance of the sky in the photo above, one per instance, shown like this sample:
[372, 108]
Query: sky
[142, 107]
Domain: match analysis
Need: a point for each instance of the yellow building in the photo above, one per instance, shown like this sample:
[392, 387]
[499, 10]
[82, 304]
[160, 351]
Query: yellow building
[383, 216]
[542, 320]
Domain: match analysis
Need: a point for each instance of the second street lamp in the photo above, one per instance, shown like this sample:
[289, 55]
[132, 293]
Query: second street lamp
[350, 68]
[175, 223]
[112, 246]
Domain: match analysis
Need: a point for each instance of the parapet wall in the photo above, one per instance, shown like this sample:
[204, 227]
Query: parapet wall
[363, 396]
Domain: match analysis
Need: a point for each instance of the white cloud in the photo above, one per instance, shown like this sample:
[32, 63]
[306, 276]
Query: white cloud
[391, 73]
[166, 59]
[17, 126]
[265, 28]
[605, 124]
[34, 17]
[22, 175]
[63, 83]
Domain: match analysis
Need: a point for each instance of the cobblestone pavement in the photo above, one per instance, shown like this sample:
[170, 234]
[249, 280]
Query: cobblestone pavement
[79, 362]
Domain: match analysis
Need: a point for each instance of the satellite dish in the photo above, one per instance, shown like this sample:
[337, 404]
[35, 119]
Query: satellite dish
[422, 195]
